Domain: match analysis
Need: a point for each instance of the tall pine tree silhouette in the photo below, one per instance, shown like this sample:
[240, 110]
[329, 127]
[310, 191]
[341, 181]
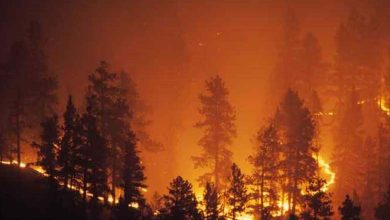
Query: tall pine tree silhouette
[349, 210]
[317, 202]
[382, 211]
[219, 131]
[96, 161]
[67, 151]
[180, 201]
[297, 129]
[265, 162]
[211, 202]
[48, 146]
[132, 176]
[29, 87]
[237, 192]
[112, 114]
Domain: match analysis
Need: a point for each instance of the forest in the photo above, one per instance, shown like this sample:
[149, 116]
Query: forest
[105, 142]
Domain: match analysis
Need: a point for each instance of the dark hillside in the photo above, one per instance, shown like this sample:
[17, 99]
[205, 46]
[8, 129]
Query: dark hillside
[25, 194]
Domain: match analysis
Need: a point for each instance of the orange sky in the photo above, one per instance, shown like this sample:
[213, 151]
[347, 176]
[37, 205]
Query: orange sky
[170, 48]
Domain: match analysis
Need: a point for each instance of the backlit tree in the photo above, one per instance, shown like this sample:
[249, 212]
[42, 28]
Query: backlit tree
[219, 131]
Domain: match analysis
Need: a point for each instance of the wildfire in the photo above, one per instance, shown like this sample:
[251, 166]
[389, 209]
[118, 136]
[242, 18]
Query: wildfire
[324, 114]
[245, 217]
[22, 165]
[325, 167]
[42, 172]
[383, 105]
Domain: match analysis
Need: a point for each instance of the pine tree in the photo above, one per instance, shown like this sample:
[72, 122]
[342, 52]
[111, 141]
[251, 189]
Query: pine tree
[18, 75]
[265, 175]
[317, 202]
[382, 211]
[348, 146]
[112, 114]
[211, 201]
[47, 148]
[29, 88]
[67, 151]
[133, 177]
[4, 149]
[219, 128]
[45, 83]
[238, 196]
[181, 201]
[359, 56]
[82, 155]
[131, 180]
[286, 72]
[95, 155]
[349, 211]
[140, 111]
[313, 68]
[383, 158]
[369, 177]
[297, 129]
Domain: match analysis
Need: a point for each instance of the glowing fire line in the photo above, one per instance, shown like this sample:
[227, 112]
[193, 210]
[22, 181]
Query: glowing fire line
[327, 170]
[325, 167]
[383, 105]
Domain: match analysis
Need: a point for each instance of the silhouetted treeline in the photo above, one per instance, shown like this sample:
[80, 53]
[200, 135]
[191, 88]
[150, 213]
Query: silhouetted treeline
[349, 98]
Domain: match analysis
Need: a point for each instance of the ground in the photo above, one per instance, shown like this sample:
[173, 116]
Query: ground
[25, 194]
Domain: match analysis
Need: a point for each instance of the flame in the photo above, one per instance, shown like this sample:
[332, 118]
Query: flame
[325, 167]
[134, 205]
[383, 105]
[41, 171]
[245, 217]
[22, 165]
[324, 114]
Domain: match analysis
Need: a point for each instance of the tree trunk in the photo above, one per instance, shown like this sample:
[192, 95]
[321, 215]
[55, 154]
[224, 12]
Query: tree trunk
[113, 182]
[262, 195]
[282, 203]
[216, 168]
[85, 185]
[18, 127]
[66, 180]
[294, 201]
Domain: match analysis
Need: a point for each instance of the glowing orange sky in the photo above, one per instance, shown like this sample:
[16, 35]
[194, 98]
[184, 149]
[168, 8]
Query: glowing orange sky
[170, 48]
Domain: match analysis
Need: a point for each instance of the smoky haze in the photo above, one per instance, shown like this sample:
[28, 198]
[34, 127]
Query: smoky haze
[170, 48]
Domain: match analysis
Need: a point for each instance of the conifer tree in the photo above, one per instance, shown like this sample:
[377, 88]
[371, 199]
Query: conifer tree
[348, 146]
[369, 177]
[286, 72]
[218, 124]
[66, 154]
[382, 211]
[132, 176]
[265, 175]
[47, 148]
[29, 88]
[297, 129]
[140, 110]
[383, 157]
[131, 180]
[359, 56]
[237, 192]
[95, 154]
[313, 68]
[317, 202]
[181, 201]
[45, 83]
[112, 115]
[349, 210]
[211, 201]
